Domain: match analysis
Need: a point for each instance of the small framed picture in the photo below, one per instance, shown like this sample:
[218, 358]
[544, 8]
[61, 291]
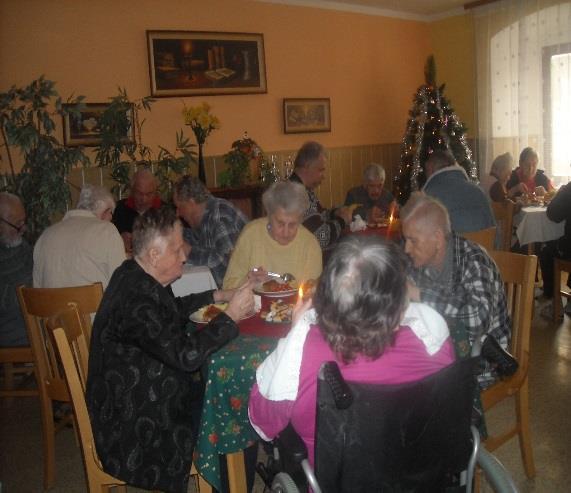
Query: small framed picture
[303, 115]
[190, 63]
[82, 129]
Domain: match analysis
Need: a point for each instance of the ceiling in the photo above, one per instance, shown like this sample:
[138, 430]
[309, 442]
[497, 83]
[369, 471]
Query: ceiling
[410, 9]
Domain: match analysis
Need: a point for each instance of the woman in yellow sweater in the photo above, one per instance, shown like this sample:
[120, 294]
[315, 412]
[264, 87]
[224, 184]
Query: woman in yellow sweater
[278, 242]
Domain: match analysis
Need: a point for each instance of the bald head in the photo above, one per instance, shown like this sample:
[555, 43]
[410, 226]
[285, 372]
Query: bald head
[13, 219]
[143, 190]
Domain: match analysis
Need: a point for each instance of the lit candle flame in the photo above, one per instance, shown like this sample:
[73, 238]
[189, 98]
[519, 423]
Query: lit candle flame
[300, 293]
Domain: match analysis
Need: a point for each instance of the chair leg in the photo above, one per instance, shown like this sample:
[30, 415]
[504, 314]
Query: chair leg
[522, 413]
[48, 440]
[556, 291]
[9, 380]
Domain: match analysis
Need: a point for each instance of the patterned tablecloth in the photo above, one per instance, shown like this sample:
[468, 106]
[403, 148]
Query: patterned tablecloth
[224, 426]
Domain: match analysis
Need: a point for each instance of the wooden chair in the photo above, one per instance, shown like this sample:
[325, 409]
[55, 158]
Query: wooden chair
[504, 214]
[518, 273]
[12, 358]
[68, 331]
[559, 266]
[38, 304]
[484, 237]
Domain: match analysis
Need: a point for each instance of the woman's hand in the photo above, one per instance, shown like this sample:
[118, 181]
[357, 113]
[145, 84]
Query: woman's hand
[241, 303]
[257, 275]
[300, 308]
[540, 191]
[413, 291]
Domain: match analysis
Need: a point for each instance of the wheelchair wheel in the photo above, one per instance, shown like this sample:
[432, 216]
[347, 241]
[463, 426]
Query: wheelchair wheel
[284, 484]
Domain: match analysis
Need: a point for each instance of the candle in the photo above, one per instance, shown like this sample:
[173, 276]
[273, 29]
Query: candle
[300, 293]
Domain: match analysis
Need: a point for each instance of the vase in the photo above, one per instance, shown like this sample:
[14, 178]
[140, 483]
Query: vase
[201, 169]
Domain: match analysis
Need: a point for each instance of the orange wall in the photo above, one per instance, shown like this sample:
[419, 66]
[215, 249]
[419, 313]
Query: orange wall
[369, 66]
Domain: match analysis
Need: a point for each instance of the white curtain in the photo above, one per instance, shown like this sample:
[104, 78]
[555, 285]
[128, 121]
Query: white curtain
[523, 73]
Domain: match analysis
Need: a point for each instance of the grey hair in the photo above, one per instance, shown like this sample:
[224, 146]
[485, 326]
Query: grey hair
[502, 163]
[190, 187]
[308, 154]
[528, 152]
[441, 159]
[95, 199]
[287, 195]
[428, 211]
[373, 172]
[153, 225]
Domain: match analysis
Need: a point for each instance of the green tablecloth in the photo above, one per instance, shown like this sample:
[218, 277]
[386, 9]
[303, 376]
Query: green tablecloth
[224, 426]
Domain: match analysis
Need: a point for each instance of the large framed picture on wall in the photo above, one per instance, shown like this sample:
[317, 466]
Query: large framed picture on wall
[304, 115]
[189, 63]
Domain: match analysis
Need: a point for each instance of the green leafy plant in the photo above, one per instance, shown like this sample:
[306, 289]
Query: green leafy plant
[238, 159]
[28, 142]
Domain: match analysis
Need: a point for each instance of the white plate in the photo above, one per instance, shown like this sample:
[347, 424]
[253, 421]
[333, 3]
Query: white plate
[276, 294]
[198, 315]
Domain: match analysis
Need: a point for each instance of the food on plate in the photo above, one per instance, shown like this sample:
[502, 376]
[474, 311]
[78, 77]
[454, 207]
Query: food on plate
[210, 312]
[274, 286]
[279, 312]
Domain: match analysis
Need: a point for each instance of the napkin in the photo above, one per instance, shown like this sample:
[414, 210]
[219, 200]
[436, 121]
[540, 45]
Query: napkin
[358, 224]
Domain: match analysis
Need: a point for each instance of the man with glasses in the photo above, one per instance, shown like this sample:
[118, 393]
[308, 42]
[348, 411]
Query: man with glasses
[15, 269]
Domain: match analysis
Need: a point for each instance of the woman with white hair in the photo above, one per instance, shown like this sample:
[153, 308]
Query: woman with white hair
[142, 400]
[494, 185]
[278, 242]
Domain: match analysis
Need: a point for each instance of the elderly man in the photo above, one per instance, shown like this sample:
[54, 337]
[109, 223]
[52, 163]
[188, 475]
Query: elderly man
[143, 197]
[309, 170]
[454, 276]
[215, 225]
[374, 201]
[83, 248]
[143, 402]
[15, 269]
[467, 205]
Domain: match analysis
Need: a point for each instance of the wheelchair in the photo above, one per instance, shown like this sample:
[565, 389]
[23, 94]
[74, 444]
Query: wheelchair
[415, 437]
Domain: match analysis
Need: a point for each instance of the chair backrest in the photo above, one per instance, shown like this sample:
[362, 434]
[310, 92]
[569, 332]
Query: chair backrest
[518, 275]
[39, 304]
[504, 214]
[395, 437]
[484, 237]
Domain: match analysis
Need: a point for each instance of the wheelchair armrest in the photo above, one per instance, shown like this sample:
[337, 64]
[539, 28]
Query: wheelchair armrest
[291, 444]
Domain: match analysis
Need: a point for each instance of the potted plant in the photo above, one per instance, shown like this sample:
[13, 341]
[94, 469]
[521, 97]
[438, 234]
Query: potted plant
[242, 155]
[27, 137]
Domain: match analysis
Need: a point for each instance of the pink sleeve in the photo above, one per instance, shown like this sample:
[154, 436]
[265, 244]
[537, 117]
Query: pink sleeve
[268, 417]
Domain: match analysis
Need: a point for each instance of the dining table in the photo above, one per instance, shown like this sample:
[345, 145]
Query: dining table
[230, 374]
[533, 226]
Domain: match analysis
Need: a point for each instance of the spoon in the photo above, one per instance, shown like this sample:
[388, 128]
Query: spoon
[287, 277]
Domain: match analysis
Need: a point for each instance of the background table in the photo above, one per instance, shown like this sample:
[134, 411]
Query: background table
[194, 279]
[533, 226]
[225, 427]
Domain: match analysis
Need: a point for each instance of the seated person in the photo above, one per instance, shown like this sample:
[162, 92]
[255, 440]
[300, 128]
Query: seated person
[527, 177]
[494, 185]
[143, 196]
[278, 242]
[467, 205]
[214, 225]
[82, 248]
[15, 269]
[361, 320]
[375, 202]
[309, 170]
[559, 209]
[454, 276]
[140, 394]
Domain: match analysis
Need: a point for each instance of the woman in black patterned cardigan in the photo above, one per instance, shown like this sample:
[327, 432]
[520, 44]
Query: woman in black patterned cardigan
[143, 350]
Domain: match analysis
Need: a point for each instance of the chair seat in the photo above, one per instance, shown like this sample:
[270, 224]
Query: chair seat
[9, 358]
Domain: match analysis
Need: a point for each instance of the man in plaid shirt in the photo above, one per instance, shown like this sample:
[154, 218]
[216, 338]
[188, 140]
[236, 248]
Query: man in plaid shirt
[215, 225]
[454, 276]
[309, 170]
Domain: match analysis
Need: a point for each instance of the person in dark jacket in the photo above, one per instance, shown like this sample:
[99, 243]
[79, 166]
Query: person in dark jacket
[559, 209]
[140, 394]
[534, 180]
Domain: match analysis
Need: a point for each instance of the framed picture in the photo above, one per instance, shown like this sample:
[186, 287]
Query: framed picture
[189, 63]
[307, 115]
[82, 129]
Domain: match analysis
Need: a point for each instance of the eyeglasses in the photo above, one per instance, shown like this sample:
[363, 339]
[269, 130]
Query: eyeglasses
[19, 229]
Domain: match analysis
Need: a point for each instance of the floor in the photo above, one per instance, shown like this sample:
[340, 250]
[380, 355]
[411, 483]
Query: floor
[550, 406]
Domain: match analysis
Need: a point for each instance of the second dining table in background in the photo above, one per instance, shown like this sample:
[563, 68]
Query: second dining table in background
[533, 226]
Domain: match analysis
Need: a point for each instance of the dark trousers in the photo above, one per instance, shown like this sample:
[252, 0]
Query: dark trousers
[547, 256]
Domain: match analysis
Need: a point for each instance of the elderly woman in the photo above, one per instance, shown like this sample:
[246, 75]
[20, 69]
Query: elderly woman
[143, 350]
[375, 201]
[360, 303]
[528, 177]
[278, 242]
[494, 185]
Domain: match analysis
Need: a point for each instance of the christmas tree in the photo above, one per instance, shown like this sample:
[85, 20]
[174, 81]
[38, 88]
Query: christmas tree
[432, 125]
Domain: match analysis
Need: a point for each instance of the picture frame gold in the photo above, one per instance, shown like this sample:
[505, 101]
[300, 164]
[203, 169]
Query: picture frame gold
[306, 115]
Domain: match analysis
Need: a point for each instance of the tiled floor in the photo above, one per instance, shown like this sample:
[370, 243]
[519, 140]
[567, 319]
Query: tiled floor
[550, 384]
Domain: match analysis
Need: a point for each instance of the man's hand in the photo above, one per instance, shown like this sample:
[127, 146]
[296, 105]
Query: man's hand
[128, 242]
[540, 191]
[241, 303]
[375, 214]
[413, 291]
[300, 308]
[257, 275]
[345, 214]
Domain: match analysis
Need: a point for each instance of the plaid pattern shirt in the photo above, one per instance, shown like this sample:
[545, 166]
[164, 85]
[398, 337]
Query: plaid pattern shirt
[472, 300]
[212, 243]
[323, 223]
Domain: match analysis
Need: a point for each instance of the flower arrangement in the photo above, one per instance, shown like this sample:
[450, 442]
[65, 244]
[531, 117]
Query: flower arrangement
[201, 121]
